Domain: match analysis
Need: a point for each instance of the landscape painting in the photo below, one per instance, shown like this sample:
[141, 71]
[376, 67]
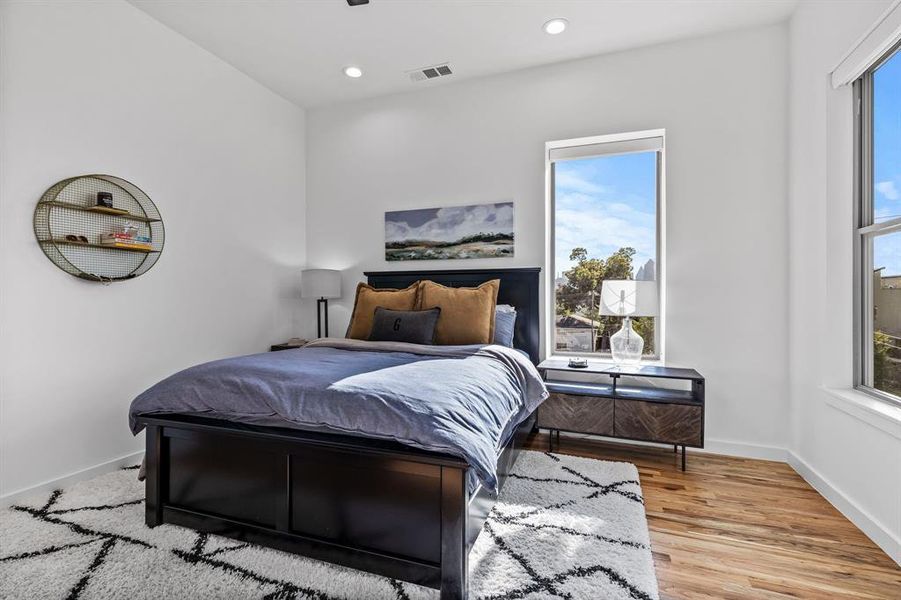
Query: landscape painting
[474, 231]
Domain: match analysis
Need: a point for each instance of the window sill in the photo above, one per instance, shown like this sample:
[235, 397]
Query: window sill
[875, 412]
[606, 360]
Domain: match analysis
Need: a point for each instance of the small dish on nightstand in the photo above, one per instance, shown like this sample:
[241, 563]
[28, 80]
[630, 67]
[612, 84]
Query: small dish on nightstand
[289, 345]
[578, 363]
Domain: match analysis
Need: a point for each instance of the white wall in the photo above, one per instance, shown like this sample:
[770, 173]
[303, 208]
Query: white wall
[91, 87]
[847, 445]
[723, 101]
[101, 87]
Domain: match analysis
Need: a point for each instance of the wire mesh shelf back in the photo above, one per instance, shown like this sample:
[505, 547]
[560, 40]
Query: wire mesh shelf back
[69, 226]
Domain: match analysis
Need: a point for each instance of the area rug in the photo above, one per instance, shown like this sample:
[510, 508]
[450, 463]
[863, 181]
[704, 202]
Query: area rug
[564, 527]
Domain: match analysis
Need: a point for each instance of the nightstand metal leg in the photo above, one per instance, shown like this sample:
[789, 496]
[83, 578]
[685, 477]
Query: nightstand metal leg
[683, 458]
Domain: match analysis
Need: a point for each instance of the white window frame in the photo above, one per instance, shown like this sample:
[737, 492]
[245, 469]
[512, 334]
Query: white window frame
[866, 231]
[557, 147]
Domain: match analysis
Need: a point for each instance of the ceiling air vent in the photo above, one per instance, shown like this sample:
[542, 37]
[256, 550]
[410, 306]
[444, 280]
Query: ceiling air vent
[432, 72]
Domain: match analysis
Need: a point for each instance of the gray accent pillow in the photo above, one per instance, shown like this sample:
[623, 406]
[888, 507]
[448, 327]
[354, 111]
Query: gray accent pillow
[504, 322]
[411, 326]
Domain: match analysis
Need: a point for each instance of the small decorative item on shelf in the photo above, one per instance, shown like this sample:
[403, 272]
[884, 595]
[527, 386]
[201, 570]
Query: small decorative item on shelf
[623, 298]
[578, 363]
[105, 205]
[99, 227]
[105, 199]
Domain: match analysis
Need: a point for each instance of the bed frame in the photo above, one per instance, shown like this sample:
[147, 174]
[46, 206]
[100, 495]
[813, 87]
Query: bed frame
[373, 505]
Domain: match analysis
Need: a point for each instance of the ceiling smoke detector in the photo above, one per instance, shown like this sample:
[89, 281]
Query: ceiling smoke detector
[432, 72]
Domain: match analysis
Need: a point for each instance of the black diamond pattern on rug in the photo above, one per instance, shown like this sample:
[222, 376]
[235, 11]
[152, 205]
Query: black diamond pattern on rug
[564, 527]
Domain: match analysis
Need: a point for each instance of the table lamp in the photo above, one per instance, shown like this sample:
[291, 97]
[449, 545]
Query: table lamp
[624, 298]
[321, 284]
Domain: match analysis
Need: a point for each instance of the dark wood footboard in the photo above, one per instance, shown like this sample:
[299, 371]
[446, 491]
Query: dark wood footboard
[368, 504]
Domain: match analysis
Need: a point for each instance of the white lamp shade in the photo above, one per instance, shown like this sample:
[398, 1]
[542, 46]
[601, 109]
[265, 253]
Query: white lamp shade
[623, 298]
[320, 283]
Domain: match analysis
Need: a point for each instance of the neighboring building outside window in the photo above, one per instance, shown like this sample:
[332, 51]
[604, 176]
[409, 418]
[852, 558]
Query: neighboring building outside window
[605, 201]
[878, 95]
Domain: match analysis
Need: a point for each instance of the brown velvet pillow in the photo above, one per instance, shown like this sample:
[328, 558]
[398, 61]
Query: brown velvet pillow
[467, 314]
[368, 298]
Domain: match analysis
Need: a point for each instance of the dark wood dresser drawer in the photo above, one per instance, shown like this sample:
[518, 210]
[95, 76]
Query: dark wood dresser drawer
[654, 421]
[581, 414]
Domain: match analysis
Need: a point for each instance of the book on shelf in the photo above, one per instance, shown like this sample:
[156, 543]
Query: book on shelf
[124, 236]
[121, 238]
[125, 242]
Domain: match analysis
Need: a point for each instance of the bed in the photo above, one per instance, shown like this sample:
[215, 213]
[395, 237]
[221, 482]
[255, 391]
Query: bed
[373, 504]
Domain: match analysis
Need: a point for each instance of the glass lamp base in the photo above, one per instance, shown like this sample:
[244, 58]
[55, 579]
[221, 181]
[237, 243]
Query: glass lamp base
[626, 345]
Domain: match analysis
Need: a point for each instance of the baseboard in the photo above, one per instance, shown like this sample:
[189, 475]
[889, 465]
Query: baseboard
[60, 482]
[873, 529]
[744, 450]
[739, 449]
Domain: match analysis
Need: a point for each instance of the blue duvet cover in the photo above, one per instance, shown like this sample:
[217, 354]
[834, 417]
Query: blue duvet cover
[458, 400]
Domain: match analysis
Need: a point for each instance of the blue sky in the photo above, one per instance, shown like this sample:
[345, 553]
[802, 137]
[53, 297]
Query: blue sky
[887, 161]
[604, 204]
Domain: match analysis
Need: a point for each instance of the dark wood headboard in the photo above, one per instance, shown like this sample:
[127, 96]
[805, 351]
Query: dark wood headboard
[519, 288]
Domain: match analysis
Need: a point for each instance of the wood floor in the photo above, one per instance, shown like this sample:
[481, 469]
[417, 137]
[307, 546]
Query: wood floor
[740, 528]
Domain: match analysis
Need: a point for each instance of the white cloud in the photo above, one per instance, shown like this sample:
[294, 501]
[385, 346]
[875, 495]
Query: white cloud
[602, 228]
[452, 223]
[569, 181]
[888, 189]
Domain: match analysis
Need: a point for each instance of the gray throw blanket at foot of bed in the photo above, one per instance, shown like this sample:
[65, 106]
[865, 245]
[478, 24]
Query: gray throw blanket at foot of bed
[458, 400]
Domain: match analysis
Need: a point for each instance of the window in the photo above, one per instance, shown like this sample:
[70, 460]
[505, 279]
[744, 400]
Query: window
[878, 244]
[605, 206]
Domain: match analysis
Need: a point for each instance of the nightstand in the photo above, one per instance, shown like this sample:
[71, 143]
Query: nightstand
[289, 345]
[616, 409]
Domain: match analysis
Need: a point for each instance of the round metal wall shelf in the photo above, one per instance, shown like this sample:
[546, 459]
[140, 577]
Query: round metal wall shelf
[69, 226]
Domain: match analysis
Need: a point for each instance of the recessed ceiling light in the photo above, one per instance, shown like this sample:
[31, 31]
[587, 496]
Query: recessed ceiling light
[353, 72]
[555, 26]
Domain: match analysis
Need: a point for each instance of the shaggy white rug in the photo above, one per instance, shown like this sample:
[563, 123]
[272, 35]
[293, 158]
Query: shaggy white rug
[564, 527]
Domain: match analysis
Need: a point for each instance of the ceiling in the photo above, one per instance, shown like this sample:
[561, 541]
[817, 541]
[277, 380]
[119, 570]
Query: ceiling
[298, 48]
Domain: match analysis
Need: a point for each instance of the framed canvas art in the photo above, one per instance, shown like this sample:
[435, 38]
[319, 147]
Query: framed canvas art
[452, 232]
